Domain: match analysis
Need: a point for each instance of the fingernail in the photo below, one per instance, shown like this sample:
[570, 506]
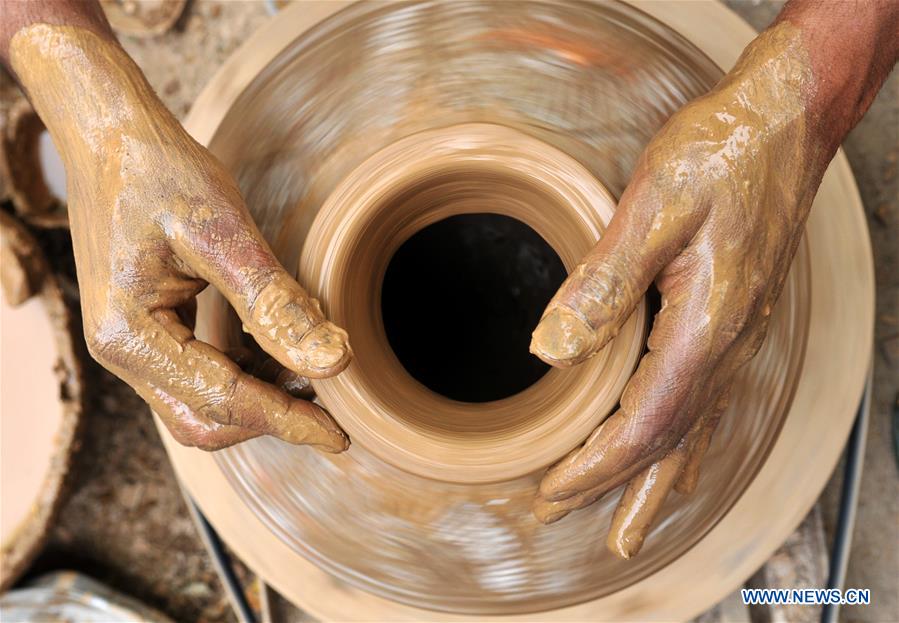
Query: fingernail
[557, 496]
[562, 338]
[337, 444]
[334, 439]
[554, 517]
[331, 438]
[326, 350]
[624, 548]
[311, 425]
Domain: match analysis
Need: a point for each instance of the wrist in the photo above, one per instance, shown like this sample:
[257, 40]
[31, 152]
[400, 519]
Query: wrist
[851, 48]
[87, 90]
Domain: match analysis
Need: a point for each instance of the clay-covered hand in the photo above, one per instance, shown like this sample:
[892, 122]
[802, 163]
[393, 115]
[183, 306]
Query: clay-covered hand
[713, 214]
[155, 218]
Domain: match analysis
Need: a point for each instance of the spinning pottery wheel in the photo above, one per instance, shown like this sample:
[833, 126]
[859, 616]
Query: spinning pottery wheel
[352, 128]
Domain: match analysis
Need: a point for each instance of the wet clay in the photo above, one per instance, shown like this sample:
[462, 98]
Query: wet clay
[154, 219]
[714, 217]
[645, 494]
[461, 169]
[640, 503]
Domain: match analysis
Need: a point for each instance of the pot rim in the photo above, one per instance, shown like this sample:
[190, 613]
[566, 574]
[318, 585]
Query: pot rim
[408, 185]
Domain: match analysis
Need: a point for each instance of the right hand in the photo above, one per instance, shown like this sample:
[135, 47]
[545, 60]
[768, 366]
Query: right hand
[713, 215]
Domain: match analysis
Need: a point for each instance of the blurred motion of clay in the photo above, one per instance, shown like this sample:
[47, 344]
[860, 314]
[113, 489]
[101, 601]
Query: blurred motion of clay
[142, 18]
[435, 492]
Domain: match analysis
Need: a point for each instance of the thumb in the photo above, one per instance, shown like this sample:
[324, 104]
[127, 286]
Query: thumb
[600, 294]
[229, 252]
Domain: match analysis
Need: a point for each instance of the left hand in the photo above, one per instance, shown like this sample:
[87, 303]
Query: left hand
[713, 213]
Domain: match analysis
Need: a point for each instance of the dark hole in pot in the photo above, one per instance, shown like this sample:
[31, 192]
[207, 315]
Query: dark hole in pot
[460, 299]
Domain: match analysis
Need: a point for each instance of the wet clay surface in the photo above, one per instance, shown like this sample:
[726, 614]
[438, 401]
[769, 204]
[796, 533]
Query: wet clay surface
[418, 182]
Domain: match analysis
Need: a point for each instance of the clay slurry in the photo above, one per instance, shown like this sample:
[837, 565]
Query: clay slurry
[460, 299]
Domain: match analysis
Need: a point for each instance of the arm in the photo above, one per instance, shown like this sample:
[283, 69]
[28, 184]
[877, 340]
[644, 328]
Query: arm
[154, 218]
[713, 214]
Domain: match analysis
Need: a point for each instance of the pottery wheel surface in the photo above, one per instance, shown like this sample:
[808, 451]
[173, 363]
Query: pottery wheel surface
[334, 100]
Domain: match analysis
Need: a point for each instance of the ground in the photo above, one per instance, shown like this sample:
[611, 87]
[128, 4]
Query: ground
[126, 524]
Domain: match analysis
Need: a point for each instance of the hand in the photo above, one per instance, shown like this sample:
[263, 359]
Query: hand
[713, 213]
[155, 218]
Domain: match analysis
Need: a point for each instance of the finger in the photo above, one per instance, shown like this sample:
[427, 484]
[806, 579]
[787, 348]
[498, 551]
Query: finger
[644, 496]
[689, 478]
[190, 429]
[670, 389]
[169, 367]
[288, 381]
[223, 246]
[601, 292]
[550, 511]
[241, 355]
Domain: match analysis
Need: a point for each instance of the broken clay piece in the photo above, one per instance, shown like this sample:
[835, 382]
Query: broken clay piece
[22, 266]
[142, 18]
[40, 398]
[21, 172]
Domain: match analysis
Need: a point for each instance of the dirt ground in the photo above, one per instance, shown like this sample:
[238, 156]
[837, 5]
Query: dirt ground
[124, 521]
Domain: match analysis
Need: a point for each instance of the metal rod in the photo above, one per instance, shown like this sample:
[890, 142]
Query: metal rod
[220, 561]
[852, 477]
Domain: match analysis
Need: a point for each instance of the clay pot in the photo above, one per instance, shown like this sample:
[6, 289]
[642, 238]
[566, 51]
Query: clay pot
[349, 134]
[400, 190]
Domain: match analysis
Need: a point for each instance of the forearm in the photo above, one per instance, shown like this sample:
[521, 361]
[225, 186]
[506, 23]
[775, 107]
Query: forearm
[90, 94]
[851, 47]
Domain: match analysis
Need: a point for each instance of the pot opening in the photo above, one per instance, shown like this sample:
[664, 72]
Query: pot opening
[460, 299]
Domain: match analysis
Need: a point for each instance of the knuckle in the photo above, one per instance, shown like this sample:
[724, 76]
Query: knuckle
[757, 287]
[733, 328]
[740, 320]
[200, 439]
[107, 339]
[753, 344]
[263, 290]
[603, 292]
[180, 436]
[207, 443]
[218, 405]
